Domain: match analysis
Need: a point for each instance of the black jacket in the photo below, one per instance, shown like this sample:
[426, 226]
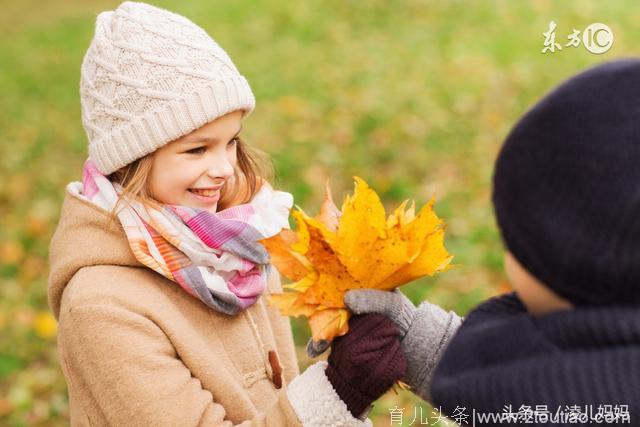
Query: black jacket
[503, 359]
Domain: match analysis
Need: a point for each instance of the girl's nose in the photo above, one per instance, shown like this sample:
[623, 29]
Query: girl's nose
[221, 167]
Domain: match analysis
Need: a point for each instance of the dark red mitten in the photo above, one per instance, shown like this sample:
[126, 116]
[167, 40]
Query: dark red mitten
[365, 362]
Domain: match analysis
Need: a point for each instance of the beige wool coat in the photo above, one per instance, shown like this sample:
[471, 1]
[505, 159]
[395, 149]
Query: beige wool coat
[137, 350]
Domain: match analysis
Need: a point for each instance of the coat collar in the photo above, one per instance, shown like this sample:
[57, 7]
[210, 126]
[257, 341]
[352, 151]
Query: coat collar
[85, 236]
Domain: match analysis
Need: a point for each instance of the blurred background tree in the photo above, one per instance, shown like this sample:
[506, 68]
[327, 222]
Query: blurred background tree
[413, 96]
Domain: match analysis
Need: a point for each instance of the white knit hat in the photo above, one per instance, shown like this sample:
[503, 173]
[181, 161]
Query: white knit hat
[149, 77]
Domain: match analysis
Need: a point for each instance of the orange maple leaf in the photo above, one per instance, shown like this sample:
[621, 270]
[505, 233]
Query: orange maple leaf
[352, 248]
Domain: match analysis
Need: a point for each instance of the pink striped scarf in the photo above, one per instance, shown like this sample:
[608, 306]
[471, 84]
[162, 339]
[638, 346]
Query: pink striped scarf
[214, 257]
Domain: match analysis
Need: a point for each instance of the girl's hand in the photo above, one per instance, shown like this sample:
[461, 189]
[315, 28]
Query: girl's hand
[365, 362]
[424, 332]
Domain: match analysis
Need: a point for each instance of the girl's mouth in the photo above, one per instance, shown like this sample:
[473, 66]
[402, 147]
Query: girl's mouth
[205, 195]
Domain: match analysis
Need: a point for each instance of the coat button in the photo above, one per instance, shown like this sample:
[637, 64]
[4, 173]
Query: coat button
[276, 369]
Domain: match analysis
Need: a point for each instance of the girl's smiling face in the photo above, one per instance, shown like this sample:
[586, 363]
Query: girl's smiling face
[192, 170]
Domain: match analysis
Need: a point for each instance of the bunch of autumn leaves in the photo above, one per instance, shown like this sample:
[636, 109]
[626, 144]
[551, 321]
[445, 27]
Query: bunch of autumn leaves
[352, 248]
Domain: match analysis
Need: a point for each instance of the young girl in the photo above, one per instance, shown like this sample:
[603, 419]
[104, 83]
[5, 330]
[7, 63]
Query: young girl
[157, 280]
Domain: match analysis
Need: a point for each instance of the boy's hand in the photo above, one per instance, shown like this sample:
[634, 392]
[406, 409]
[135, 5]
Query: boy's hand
[424, 332]
[394, 305]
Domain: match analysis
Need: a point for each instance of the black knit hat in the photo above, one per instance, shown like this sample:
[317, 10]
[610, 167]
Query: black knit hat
[566, 187]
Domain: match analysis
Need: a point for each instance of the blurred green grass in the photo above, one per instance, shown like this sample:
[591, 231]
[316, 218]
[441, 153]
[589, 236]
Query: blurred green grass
[415, 97]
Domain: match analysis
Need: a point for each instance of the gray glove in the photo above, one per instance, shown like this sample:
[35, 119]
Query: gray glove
[392, 304]
[424, 331]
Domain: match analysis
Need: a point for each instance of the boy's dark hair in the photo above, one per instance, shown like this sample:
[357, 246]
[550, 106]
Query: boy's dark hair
[566, 187]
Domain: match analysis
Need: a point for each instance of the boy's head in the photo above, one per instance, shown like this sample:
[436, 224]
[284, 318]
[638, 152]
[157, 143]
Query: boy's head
[566, 188]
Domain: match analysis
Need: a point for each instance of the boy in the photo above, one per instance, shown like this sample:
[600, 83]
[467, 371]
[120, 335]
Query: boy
[566, 193]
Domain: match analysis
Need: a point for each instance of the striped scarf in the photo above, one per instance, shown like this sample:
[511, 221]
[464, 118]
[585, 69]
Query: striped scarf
[214, 257]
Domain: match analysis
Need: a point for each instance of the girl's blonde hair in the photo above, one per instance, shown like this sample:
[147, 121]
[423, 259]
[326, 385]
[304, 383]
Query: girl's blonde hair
[252, 167]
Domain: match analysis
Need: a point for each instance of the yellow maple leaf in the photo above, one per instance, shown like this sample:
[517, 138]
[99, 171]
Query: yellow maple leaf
[352, 248]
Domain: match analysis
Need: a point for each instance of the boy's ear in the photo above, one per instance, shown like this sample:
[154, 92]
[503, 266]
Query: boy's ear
[535, 295]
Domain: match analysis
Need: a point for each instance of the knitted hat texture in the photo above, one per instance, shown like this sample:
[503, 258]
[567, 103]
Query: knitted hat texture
[566, 187]
[149, 77]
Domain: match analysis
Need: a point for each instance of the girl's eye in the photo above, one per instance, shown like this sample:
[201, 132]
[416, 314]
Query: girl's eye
[202, 149]
[197, 150]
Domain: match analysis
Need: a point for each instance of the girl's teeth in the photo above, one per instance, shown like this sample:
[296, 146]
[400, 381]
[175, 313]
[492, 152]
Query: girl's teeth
[206, 193]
